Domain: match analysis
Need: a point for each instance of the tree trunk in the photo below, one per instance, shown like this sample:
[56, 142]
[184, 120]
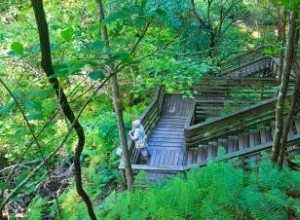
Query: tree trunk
[116, 100]
[281, 15]
[289, 58]
[46, 63]
[293, 109]
[282, 38]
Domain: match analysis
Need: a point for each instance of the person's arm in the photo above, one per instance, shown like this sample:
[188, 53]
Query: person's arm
[135, 135]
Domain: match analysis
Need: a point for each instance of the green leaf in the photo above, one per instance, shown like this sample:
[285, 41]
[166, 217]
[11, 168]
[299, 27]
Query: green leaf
[17, 47]
[4, 186]
[116, 16]
[123, 57]
[97, 45]
[34, 116]
[7, 108]
[160, 12]
[67, 69]
[96, 75]
[67, 33]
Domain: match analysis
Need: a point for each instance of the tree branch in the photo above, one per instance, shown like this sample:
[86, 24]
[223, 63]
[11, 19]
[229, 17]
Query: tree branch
[35, 141]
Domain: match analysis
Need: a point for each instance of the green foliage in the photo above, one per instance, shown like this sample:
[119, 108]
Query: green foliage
[36, 208]
[18, 48]
[217, 191]
[173, 53]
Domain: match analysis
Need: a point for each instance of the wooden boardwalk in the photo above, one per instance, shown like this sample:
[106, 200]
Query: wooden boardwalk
[183, 133]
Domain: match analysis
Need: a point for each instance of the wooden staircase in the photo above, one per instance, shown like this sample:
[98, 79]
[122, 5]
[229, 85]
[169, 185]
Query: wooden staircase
[184, 133]
[244, 133]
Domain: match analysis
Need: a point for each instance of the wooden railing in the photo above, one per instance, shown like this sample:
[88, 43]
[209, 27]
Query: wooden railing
[235, 61]
[265, 63]
[227, 86]
[148, 119]
[292, 148]
[231, 123]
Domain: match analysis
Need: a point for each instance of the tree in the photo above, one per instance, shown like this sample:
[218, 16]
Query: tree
[116, 98]
[216, 21]
[289, 59]
[47, 66]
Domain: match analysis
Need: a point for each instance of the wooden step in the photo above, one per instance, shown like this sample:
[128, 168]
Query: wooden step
[180, 121]
[165, 139]
[172, 117]
[170, 129]
[165, 144]
[167, 132]
[166, 135]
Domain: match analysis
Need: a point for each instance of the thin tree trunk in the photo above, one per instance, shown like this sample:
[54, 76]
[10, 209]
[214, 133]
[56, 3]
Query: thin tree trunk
[289, 121]
[293, 109]
[46, 63]
[116, 100]
[283, 87]
[282, 38]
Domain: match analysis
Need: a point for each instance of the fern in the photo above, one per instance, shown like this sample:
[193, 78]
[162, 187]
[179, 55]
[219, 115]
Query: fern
[35, 209]
[217, 191]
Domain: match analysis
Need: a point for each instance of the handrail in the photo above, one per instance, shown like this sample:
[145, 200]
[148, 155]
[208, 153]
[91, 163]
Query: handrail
[190, 117]
[272, 65]
[246, 117]
[244, 57]
[148, 119]
[294, 140]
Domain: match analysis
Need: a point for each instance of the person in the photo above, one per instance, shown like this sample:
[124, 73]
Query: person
[138, 135]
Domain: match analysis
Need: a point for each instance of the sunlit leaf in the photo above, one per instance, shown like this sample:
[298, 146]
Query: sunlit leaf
[34, 116]
[17, 47]
[67, 33]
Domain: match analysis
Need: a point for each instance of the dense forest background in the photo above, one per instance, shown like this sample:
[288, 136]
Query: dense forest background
[63, 119]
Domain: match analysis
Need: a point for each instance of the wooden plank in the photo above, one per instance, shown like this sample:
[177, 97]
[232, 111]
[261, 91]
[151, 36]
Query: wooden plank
[297, 124]
[180, 158]
[153, 157]
[176, 157]
[241, 141]
[195, 156]
[157, 158]
[162, 161]
[165, 139]
[164, 148]
[199, 156]
[230, 144]
[236, 143]
[257, 140]
[251, 138]
[263, 136]
[246, 140]
[189, 158]
[169, 157]
[204, 153]
[209, 153]
[269, 134]
[165, 144]
[174, 132]
[166, 136]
